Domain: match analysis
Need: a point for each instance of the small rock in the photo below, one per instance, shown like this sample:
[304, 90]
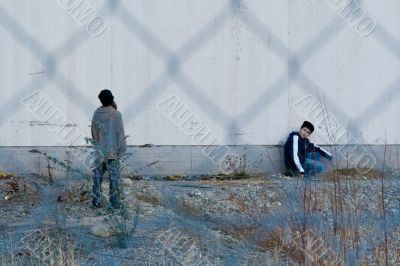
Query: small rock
[126, 182]
[194, 193]
[100, 230]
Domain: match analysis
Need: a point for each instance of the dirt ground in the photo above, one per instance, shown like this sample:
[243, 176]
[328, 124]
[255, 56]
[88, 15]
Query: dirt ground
[259, 220]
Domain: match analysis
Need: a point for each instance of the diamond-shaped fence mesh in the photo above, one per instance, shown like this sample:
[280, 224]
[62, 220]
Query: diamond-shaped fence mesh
[293, 80]
[175, 59]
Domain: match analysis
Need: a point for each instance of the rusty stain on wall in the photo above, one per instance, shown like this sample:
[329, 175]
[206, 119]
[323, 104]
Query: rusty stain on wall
[36, 73]
[41, 123]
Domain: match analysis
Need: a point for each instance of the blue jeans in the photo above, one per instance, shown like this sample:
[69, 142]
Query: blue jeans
[112, 166]
[312, 165]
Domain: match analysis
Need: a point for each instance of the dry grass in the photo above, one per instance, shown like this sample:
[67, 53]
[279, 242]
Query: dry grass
[274, 242]
[153, 200]
[284, 245]
[77, 193]
[187, 209]
[174, 178]
[353, 173]
[5, 175]
[44, 247]
[343, 201]
[233, 177]
[16, 190]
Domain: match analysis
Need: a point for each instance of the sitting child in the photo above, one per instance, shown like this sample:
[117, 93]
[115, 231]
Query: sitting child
[302, 157]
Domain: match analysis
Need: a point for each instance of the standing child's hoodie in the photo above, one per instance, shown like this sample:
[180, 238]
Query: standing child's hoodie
[108, 132]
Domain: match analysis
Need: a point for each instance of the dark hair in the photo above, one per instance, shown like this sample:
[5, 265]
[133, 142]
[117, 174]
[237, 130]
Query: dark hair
[106, 97]
[308, 125]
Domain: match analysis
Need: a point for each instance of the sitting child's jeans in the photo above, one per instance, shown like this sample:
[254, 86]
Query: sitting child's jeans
[112, 166]
[312, 165]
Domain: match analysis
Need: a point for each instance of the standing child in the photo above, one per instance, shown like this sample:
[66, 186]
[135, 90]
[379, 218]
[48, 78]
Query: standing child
[109, 139]
[302, 157]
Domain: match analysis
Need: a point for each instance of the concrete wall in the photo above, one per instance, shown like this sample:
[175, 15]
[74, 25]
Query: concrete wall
[244, 72]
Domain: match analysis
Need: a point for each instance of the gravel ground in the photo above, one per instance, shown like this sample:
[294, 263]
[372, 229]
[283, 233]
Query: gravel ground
[254, 221]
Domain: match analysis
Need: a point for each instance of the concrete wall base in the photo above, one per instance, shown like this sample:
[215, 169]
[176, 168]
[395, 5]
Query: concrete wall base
[188, 160]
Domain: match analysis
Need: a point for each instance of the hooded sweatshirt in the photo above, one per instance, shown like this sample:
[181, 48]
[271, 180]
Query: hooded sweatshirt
[108, 132]
[296, 149]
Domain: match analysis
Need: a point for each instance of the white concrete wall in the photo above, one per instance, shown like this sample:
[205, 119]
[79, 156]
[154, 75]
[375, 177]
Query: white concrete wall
[240, 67]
